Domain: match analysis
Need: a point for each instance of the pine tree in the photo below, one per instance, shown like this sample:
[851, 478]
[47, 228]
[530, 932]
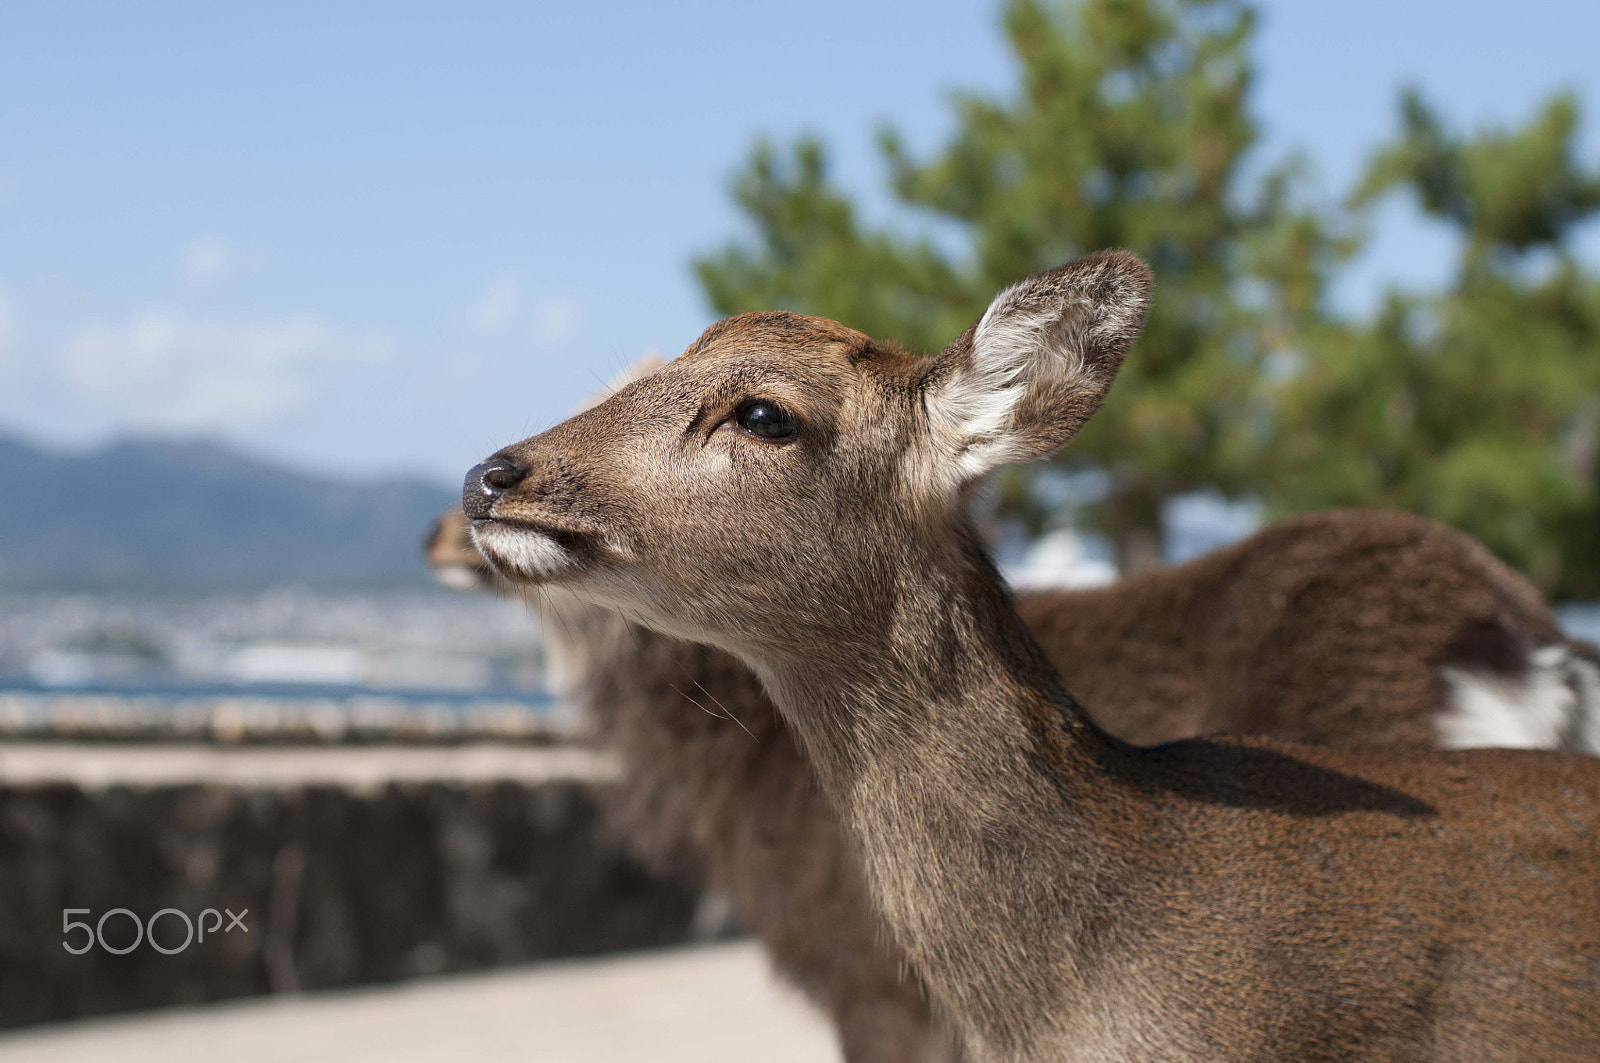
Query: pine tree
[1479, 405]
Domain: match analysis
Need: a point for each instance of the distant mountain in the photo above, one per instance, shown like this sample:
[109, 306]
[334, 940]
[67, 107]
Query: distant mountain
[160, 515]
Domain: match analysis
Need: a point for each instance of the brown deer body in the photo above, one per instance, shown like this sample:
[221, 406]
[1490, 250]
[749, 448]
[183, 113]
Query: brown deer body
[1340, 628]
[1329, 628]
[794, 493]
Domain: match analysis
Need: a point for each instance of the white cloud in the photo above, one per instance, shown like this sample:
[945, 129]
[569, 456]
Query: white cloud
[205, 260]
[503, 308]
[556, 320]
[161, 370]
[495, 311]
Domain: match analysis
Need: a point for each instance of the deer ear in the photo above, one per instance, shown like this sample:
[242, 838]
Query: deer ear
[1022, 381]
[638, 369]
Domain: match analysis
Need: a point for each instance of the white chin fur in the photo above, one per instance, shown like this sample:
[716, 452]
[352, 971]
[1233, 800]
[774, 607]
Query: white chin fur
[521, 551]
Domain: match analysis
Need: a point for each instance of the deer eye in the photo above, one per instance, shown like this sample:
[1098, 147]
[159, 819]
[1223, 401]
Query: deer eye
[766, 420]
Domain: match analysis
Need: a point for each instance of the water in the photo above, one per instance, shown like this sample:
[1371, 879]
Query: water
[175, 690]
[1581, 619]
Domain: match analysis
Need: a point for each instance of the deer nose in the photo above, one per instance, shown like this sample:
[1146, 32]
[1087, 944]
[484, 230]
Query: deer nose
[486, 482]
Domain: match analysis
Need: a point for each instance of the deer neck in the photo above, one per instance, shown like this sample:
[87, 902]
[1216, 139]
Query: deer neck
[986, 803]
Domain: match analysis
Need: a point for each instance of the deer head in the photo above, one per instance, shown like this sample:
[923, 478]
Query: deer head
[784, 443]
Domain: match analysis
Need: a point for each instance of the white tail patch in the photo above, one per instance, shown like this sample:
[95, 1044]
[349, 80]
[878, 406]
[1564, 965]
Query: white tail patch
[1537, 710]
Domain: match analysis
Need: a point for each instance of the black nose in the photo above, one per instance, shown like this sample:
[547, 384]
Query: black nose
[486, 482]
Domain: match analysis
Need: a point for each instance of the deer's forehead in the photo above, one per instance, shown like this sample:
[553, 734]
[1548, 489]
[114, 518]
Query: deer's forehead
[751, 359]
[784, 351]
[734, 379]
[777, 331]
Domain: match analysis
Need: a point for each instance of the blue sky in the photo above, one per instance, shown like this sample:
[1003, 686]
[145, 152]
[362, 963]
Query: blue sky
[385, 237]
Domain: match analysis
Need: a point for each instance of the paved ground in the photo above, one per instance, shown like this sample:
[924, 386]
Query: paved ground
[707, 1004]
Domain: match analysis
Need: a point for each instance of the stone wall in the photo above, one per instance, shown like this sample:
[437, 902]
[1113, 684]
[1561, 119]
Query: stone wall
[340, 885]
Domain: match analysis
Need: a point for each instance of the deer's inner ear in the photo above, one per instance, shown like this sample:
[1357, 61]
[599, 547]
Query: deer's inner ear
[1021, 382]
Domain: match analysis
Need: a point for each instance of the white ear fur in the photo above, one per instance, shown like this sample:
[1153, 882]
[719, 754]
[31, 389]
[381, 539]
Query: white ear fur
[1023, 380]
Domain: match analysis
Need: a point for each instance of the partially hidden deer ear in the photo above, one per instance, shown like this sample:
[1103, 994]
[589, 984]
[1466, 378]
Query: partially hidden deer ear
[638, 369]
[1021, 382]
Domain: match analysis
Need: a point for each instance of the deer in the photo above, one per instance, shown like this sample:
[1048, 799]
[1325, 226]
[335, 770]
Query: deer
[794, 493]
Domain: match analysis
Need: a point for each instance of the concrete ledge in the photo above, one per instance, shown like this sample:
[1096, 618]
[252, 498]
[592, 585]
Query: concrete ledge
[480, 858]
[94, 765]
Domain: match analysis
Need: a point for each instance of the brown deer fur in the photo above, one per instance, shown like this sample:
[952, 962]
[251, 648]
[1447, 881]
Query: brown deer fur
[1064, 895]
[1328, 628]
